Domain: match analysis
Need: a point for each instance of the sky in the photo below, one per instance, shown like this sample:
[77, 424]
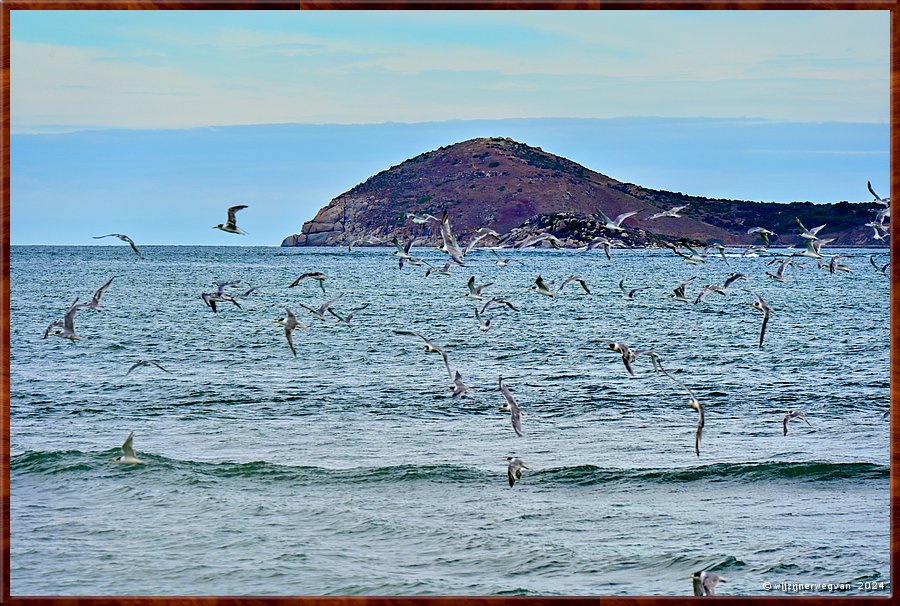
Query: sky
[177, 69]
[812, 87]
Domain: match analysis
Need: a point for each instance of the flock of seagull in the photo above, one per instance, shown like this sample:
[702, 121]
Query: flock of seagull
[704, 581]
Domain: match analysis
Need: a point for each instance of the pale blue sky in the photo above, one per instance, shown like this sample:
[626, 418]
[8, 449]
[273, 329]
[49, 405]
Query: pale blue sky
[152, 69]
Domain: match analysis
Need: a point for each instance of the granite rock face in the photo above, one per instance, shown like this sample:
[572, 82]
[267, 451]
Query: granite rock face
[504, 185]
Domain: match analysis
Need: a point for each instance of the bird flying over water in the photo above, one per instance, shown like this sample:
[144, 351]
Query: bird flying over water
[616, 224]
[290, 323]
[678, 292]
[502, 300]
[672, 212]
[630, 355]
[123, 238]
[760, 304]
[312, 275]
[230, 225]
[346, 319]
[705, 582]
[574, 278]
[515, 413]
[794, 414]
[429, 348]
[514, 469]
[320, 312]
[128, 457]
[763, 234]
[210, 298]
[541, 287]
[68, 324]
[475, 291]
[708, 289]
[459, 388]
[146, 363]
[95, 301]
[628, 293]
[809, 234]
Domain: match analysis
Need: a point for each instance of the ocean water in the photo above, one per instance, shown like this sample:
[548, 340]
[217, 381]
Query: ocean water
[350, 469]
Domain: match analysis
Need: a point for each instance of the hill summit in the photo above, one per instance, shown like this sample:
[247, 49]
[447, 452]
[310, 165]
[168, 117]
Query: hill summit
[504, 185]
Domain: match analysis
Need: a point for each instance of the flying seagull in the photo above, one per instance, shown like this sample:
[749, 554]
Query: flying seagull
[493, 300]
[483, 323]
[809, 234]
[794, 414]
[708, 289]
[760, 304]
[514, 470]
[145, 363]
[542, 288]
[678, 292]
[763, 234]
[515, 413]
[346, 319]
[459, 388]
[574, 278]
[210, 298]
[123, 238]
[705, 582]
[231, 225]
[616, 224]
[879, 199]
[320, 312]
[475, 291]
[451, 246]
[628, 293]
[128, 457]
[68, 324]
[694, 402]
[672, 212]
[95, 301]
[430, 348]
[312, 275]
[290, 323]
[630, 355]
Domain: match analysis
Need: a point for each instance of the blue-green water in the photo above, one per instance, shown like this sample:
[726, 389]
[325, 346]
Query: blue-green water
[350, 470]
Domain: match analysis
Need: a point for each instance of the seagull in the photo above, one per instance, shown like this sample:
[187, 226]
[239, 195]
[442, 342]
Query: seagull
[809, 234]
[693, 402]
[95, 301]
[733, 278]
[882, 269]
[760, 304]
[123, 238]
[763, 234]
[146, 363]
[210, 298]
[402, 253]
[475, 291]
[678, 291]
[482, 234]
[708, 289]
[834, 264]
[451, 246]
[68, 324]
[628, 294]
[445, 270]
[596, 242]
[553, 240]
[313, 275]
[673, 212]
[616, 225]
[794, 414]
[290, 323]
[515, 413]
[694, 258]
[320, 312]
[705, 582]
[231, 225]
[483, 323]
[812, 248]
[423, 219]
[429, 348]
[541, 288]
[346, 319]
[501, 262]
[879, 199]
[128, 458]
[506, 302]
[459, 388]
[574, 278]
[630, 355]
[779, 273]
[247, 293]
[880, 231]
[514, 470]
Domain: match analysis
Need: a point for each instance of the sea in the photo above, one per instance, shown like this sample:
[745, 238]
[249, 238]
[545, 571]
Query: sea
[349, 469]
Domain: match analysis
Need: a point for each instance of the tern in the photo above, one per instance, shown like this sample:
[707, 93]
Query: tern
[320, 312]
[210, 298]
[708, 289]
[678, 292]
[429, 348]
[672, 212]
[95, 301]
[459, 388]
[542, 288]
[128, 457]
[705, 582]
[483, 323]
[502, 262]
[123, 238]
[731, 279]
[694, 402]
[882, 269]
[445, 270]
[514, 469]
[146, 363]
[597, 242]
[475, 291]
[346, 319]
[68, 324]
[809, 234]
[878, 199]
[290, 323]
[763, 234]
[482, 234]
[630, 355]
[451, 246]
[794, 414]
[628, 293]
[402, 253]
[515, 413]
[533, 240]
[312, 275]
[231, 225]
[506, 302]
[616, 224]
[760, 304]
[574, 278]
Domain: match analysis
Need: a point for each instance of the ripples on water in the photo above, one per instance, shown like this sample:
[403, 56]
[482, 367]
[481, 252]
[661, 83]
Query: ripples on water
[350, 470]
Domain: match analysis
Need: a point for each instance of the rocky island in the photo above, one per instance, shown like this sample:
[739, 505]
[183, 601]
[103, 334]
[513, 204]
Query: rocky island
[507, 186]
